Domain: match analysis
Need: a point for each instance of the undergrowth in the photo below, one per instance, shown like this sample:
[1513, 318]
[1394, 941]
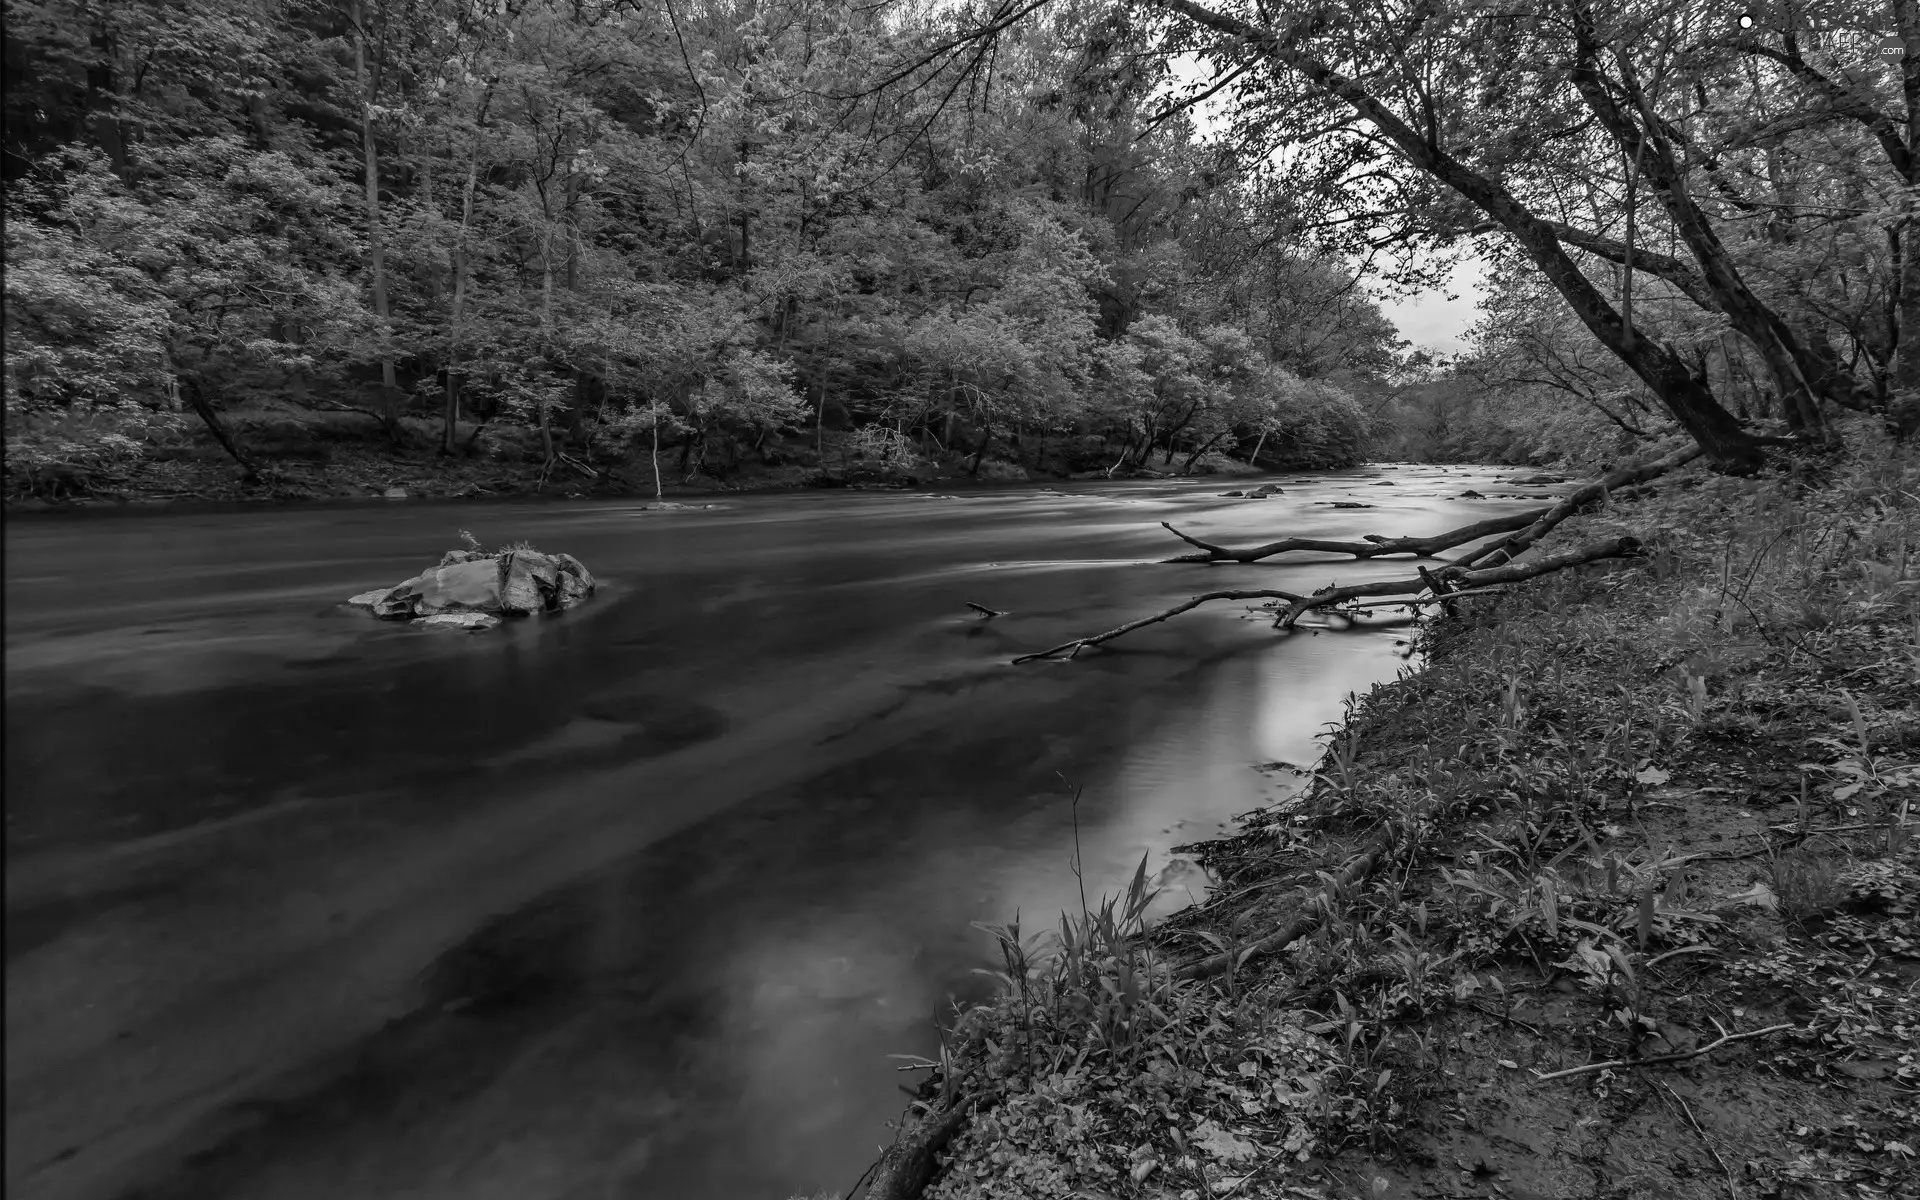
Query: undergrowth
[1674, 794]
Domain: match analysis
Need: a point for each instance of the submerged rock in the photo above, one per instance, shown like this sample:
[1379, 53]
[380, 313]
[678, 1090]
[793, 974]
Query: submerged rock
[472, 589]
[472, 621]
[1470, 494]
[1235, 494]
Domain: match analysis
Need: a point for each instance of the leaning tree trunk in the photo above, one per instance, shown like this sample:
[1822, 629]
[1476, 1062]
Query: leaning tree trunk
[1728, 446]
[196, 399]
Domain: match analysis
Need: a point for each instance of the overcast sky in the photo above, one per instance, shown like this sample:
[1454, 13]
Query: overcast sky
[1431, 320]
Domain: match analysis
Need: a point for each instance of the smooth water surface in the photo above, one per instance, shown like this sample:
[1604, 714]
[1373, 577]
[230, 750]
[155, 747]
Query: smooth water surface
[632, 901]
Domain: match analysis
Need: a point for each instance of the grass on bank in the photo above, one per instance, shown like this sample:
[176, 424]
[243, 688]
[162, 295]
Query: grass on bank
[1638, 807]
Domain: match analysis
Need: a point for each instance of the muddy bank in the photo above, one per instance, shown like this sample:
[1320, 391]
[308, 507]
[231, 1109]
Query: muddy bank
[1646, 926]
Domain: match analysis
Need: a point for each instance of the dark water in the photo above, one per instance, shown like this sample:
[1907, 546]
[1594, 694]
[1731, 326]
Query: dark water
[628, 902]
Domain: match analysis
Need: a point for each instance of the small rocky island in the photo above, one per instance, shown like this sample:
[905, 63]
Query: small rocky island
[474, 588]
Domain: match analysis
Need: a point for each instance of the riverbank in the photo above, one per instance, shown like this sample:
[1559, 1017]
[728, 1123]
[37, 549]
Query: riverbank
[307, 466]
[1614, 897]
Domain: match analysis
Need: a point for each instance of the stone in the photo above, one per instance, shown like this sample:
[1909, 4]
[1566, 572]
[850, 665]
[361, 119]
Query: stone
[1470, 494]
[573, 589]
[472, 586]
[398, 604]
[1236, 494]
[529, 583]
[471, 583]
[473, 621]
[570, 565]
[394, 493]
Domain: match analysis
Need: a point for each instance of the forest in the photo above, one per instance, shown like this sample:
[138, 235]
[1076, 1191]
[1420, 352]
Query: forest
[696, 243]
[597, 234]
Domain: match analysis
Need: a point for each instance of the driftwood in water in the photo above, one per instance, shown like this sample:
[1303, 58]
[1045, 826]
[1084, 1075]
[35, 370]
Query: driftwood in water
[1370, 546]
[1574, 501]
[1531, 526]
[1298, 605]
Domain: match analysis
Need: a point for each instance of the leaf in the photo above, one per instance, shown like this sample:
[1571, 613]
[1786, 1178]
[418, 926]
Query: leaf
[1221, 1144]
[1759, 896]
[1653, 776]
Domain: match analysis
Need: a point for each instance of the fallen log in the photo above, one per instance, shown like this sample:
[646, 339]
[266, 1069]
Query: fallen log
[1528, 527]
[1574, 501]
[1370, 545]
[1298, 605]
[1512, 572]
[1074, 647]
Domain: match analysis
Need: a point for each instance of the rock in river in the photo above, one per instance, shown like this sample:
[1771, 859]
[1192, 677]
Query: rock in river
[472, 589]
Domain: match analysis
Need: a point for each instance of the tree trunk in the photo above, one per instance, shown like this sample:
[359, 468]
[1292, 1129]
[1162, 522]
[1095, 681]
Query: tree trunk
[1728, 446]
[1254, 461]
[980, 451]
[196, 399]
[658, 490]
[1195, 456]
[460, 273]
[1785, 354]
[369, 84]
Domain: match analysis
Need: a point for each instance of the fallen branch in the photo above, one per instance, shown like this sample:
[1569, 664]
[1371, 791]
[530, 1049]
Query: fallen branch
[1573, 502]
[1528, 527]
[1610, 1064]
[1733, 1190]
[1303, 921]
[1297, 605]
[1078, 644]
[1370, 545]
[1513, 572]
[984, 611]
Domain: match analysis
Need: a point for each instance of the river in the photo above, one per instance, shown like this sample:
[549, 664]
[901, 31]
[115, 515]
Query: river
[633, 901]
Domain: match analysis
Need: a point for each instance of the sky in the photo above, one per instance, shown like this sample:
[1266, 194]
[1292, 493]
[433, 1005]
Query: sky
[1430, 320]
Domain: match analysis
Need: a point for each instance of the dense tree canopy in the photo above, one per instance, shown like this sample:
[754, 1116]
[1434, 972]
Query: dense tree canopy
[991, 231]
[709, 226]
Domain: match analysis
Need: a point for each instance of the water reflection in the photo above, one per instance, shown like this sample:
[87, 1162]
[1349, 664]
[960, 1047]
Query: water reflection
[628, 905]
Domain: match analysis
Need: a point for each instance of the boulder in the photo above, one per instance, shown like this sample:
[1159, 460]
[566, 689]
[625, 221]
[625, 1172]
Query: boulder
[474, 584]
[395, 493]
[398, 604]
[573, 589]
[569, 565]
[472, 621]
[1235, 494]
[529, 583]
[1470, 494]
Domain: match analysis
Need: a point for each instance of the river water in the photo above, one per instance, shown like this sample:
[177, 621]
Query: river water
[632, 901]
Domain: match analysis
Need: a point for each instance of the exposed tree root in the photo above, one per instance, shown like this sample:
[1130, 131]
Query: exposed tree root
[1613, 1063]
[1298, 605]
[1302, 923]
[906, 1166]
